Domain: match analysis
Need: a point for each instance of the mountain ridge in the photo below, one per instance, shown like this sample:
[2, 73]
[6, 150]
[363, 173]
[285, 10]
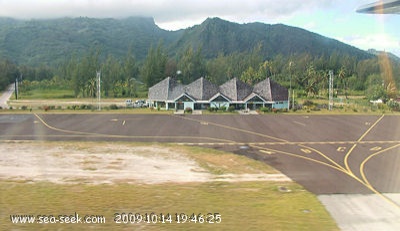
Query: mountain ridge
[51, 41]
[277, 38]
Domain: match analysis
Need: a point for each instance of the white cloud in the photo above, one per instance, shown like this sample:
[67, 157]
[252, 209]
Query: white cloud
[327, 17]
[164, 11]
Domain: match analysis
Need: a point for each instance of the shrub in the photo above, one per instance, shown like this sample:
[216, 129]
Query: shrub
[265, 109]
[231, 109]
[316, 108]
[212, 109]
[393, 105]
[222, 108]
[113, 107]
[308, 103]
[188, 110]
[24, 107]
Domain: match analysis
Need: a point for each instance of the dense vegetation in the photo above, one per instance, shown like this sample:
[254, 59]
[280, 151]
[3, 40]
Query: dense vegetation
[67, 53]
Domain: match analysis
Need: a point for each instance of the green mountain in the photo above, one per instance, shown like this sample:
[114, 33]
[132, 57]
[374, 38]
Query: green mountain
[49, 42]
[216, 35]
[36, 42]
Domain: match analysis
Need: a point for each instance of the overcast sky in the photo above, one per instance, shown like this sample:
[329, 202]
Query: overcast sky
[332, 18]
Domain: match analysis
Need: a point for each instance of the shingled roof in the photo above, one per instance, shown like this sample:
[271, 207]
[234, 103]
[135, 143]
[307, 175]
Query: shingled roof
[167, 89]
[235, 89]
[271, 91]
[201, 89]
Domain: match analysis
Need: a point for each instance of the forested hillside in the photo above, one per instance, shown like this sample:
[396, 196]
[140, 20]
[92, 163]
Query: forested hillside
[50, 42]
[67, 52]
[219, 36]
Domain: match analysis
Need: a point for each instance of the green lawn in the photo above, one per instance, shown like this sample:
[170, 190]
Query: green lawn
[47, 94]
[242, 206]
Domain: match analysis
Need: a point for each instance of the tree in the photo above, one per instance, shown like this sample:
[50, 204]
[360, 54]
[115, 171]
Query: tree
[386, 69]
[131, 72]
[252, 76]
[8, 73]
[91, 87]
[376, 89]
[192, 65]
[376, 92]
[112, 74]
[84, 72]
[171, 67]
[153, 69]
[248, 76]
[217, 69]
[311, 87]
[343, 79]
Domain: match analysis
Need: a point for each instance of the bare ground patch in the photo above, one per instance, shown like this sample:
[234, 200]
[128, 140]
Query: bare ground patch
[107, 163]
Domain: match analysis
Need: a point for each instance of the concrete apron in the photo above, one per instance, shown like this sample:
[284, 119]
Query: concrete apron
[360, 212]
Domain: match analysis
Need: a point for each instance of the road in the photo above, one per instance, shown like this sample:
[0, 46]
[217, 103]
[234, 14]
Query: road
[6, 96]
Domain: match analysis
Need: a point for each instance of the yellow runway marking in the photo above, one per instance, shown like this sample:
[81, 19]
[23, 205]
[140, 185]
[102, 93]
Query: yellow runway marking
[267, 152]
[366, 180]
[346, 158]
[232, 128]
[298, 156]
[303, 147]
[308, 150]
[92, 134]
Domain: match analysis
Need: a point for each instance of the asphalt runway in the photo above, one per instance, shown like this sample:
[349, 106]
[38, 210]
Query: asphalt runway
[327, 154]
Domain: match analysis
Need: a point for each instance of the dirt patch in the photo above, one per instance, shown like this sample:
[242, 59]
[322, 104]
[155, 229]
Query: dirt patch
[106, 163]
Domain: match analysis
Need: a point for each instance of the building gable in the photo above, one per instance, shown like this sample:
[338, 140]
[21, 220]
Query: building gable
[271, 91]
[263, 89]
[254, 98]
[279, 92]
[201, 89]
[166, 89]
[219, 98]
[184, 98]
[235, 89]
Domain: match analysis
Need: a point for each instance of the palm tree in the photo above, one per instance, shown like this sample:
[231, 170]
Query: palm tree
[342, 76]
[91, 87]
[312, 80]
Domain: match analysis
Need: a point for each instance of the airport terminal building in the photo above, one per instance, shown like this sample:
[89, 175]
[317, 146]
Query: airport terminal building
[201, 94]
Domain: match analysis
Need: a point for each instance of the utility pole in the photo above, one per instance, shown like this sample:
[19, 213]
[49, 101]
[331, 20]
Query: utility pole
[16, 88]
[290, 86]
[98, 74]
[330, 90]
[293, 99]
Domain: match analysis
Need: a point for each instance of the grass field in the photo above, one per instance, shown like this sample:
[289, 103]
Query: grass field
[251, 205]
[47, 94]
[243, 206]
